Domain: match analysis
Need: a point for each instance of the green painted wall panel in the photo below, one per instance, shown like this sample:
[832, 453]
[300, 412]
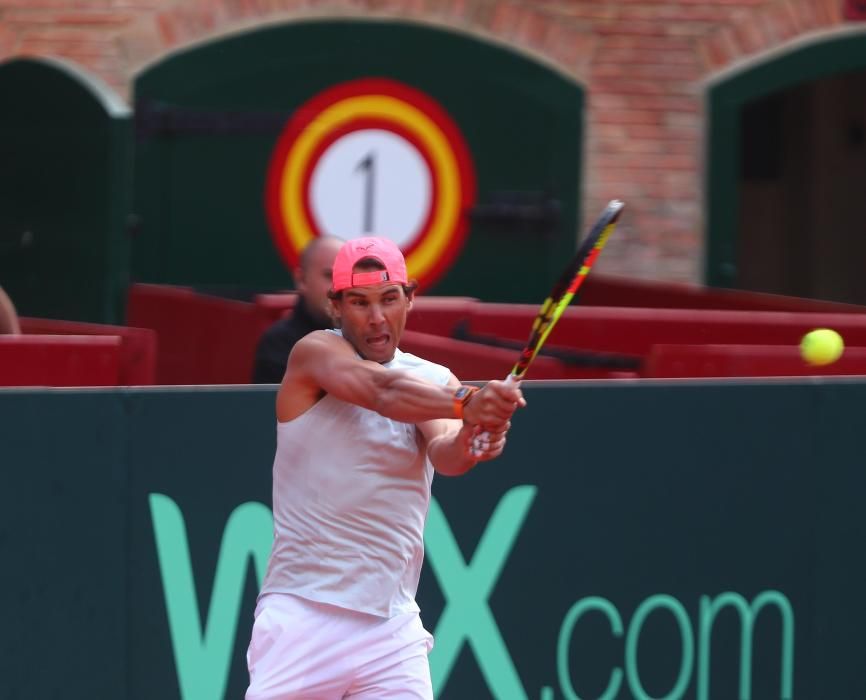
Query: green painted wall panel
[637, 502]
[200, 196]
[63, 545]
[193, 468]
[65, 184]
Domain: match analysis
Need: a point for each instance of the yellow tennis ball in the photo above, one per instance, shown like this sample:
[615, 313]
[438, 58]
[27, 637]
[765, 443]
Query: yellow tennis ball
[821, 346]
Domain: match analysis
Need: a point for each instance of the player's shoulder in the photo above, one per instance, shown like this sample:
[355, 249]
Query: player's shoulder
[425, 368]
[312, 350]
[320, 339]
[324, 342]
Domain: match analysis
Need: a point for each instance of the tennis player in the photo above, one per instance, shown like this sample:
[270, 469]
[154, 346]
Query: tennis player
[361, 427]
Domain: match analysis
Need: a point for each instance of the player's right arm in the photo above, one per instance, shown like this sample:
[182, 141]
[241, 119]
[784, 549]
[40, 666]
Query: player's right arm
[325, 363]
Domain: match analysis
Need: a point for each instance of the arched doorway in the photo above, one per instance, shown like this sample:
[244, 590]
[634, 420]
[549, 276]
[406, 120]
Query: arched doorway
[210, 118]
[65, 185]
[787, 159]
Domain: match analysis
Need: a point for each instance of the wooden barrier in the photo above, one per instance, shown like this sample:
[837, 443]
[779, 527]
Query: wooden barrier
[138, 346]
[613, 290]
[635, 331]
[202, 339]
[476, 362]
[745, 361]
[211, 340]
[60, 360]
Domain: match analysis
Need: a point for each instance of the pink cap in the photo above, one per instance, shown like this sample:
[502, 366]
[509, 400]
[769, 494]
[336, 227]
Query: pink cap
[381, 249]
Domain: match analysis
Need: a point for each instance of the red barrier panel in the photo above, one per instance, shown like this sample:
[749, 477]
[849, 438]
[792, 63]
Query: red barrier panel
[477, 362]
[440, 315]
[745, 361]
[60, 360]
[138, 346]
[167, 311]
[211, 340]
[202, 339]
[635, 331]
[436, 315]
[611, 290]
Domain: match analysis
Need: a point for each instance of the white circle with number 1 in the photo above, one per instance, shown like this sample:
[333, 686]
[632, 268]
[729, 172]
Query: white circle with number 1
[371, 182]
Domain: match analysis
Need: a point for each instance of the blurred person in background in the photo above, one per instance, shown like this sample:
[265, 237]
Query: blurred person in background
[311, 313]
[8, 315]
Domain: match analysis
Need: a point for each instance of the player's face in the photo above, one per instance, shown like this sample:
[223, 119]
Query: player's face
[373, 318]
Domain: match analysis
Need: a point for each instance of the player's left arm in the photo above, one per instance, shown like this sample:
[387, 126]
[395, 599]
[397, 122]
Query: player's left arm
[449, 442]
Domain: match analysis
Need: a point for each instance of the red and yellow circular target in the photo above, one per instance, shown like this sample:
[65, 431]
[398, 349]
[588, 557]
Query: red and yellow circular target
[372, 157]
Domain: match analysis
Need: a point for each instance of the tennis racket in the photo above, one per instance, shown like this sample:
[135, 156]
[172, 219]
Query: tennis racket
[560, 296]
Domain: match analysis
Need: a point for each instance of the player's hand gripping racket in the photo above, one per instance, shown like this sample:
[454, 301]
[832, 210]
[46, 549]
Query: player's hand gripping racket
[560, 297]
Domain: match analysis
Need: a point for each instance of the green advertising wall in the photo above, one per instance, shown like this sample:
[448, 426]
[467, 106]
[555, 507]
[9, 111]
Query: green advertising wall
[637, 540]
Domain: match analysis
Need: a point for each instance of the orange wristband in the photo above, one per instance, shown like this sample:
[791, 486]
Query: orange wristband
[461, 398]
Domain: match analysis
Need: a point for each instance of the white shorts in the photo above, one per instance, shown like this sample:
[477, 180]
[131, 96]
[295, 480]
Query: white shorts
[303, 649]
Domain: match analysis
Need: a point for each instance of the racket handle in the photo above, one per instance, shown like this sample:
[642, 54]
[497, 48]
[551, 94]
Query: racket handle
[479, 440]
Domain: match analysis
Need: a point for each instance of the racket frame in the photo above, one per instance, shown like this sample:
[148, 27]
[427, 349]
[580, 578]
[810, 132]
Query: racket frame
[561, 295]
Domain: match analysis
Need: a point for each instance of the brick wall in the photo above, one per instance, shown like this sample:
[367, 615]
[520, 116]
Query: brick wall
[644, 65]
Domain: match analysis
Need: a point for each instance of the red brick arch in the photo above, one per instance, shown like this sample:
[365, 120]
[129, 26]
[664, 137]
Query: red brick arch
[539, 33]
[765, 27]
[116, 43]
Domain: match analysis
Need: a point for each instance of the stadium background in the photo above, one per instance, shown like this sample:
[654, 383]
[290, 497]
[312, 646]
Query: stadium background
[134, 143]
[681, 112]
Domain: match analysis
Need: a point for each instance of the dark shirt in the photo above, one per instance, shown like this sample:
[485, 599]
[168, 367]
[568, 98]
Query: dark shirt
[272, 351]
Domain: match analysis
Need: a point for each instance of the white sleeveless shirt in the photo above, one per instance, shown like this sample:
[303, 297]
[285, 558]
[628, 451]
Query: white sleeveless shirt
[351, 493]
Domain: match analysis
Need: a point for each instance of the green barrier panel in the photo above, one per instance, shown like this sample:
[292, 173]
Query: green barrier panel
[63, 545]
[638, 540]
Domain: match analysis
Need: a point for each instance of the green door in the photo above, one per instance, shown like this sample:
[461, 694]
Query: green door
[65, 176]
[209, 121]
[787, 153]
